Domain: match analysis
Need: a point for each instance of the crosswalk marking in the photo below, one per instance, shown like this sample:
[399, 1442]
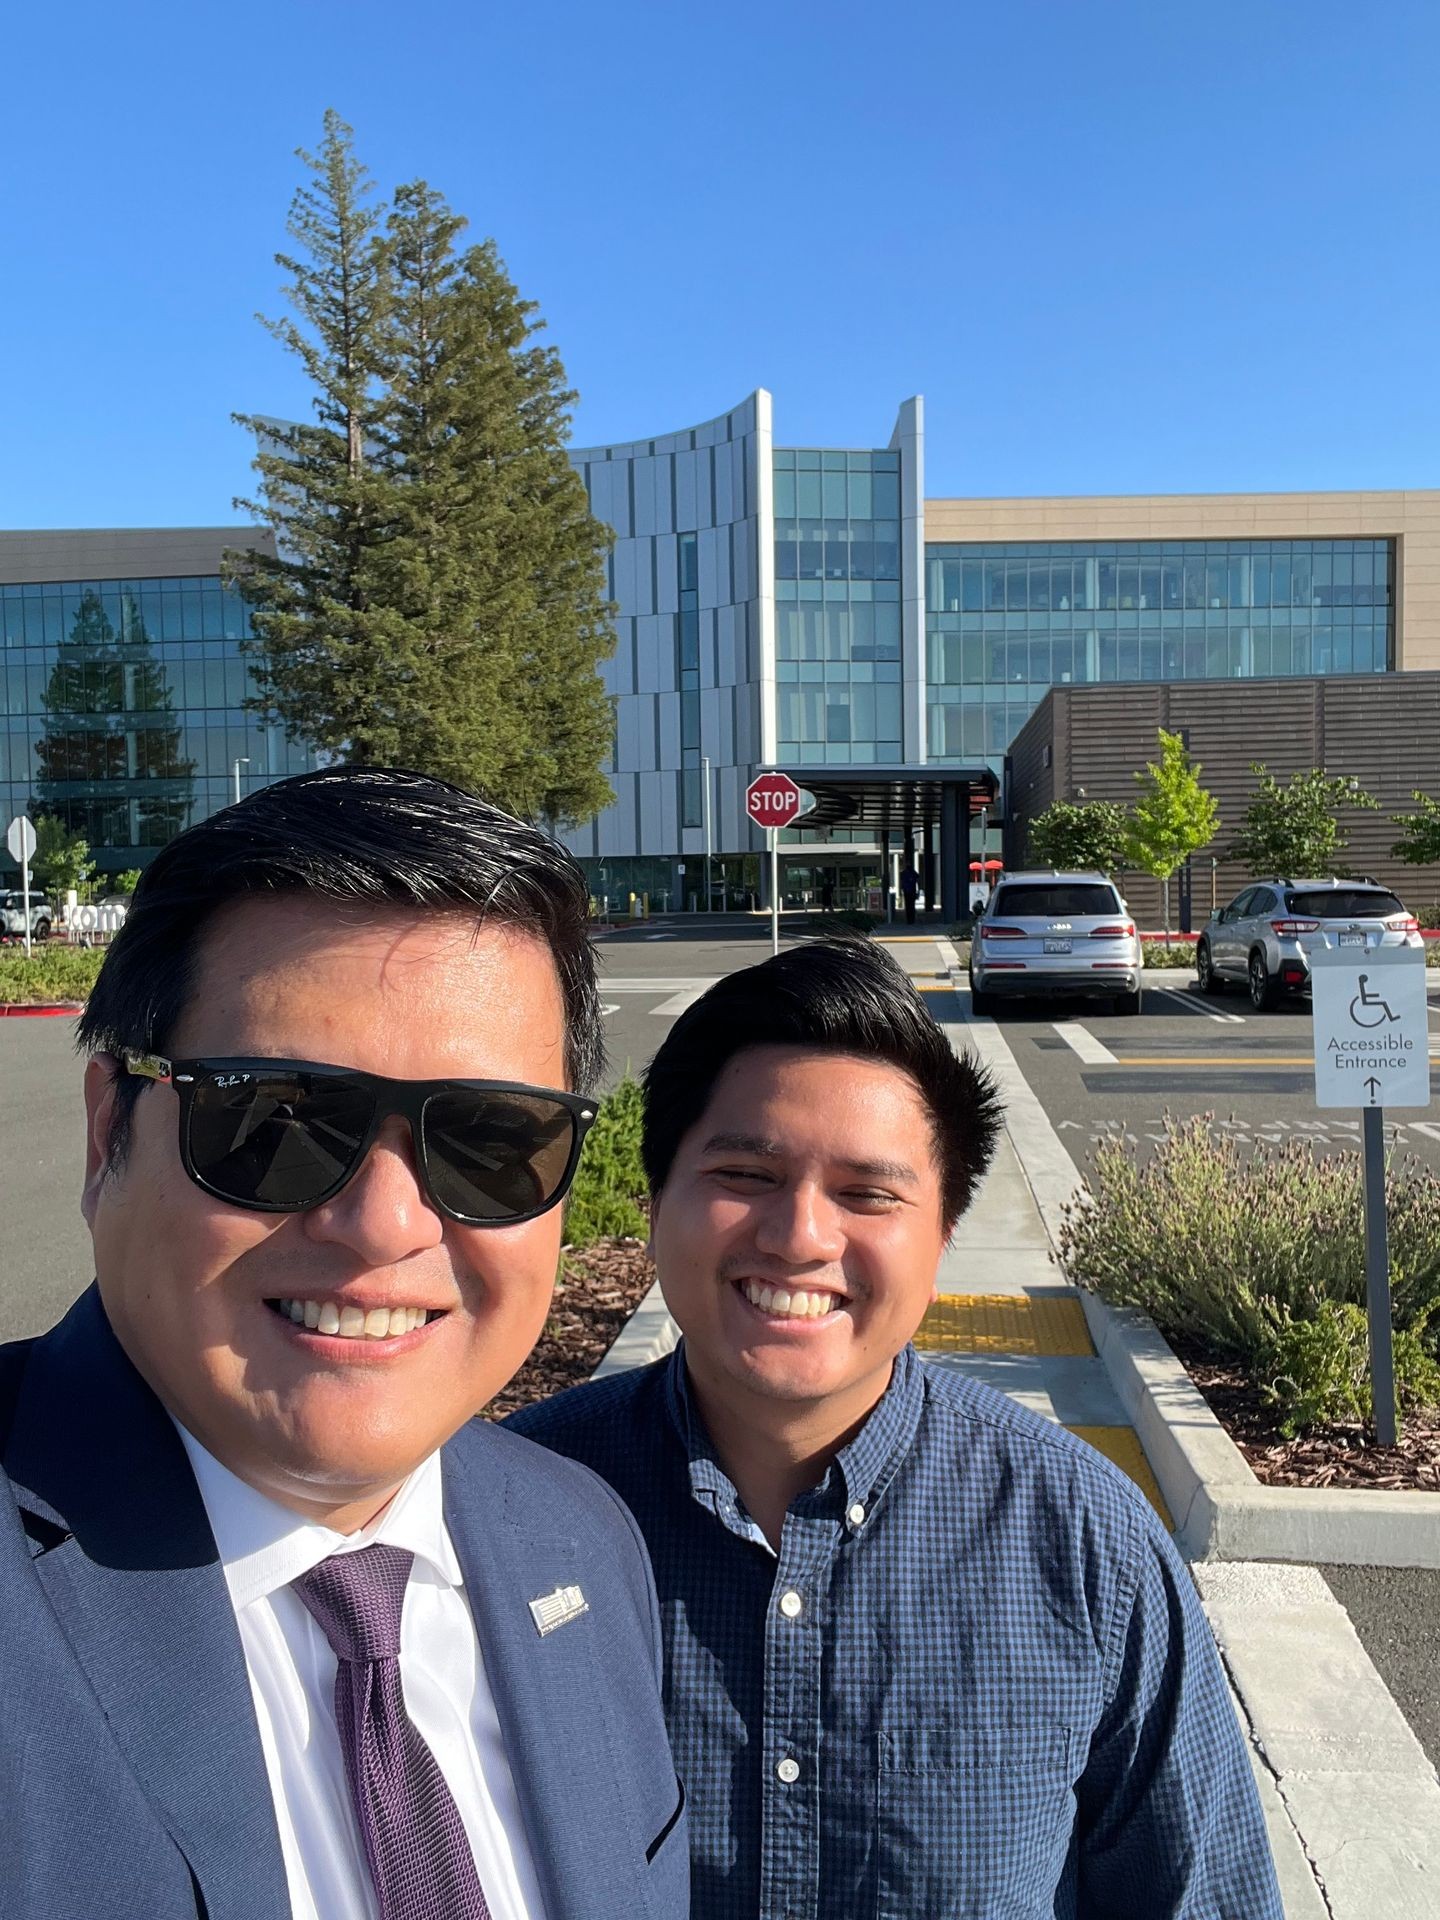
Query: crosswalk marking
[1080, 1040]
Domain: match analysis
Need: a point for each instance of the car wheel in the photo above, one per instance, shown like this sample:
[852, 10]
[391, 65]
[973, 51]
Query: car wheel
[1207, 979]
[1129, 1002]
[1262, 987]
[42, 930]
[980, 1002]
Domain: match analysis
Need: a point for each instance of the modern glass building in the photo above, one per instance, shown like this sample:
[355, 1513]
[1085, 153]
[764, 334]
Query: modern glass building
[122, 685]
[777, 606]
[1004, 622]
[875, 641]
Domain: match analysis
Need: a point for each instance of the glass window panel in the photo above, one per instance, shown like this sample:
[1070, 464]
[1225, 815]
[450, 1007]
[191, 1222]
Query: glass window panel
[994, 584]
[1194, 581]
[1128, 660]
[886, 495]
[1060, 586]
[1149, 655]
[971, 594]
[861, 492]
[1039, 665]
[1127, 582]
[887, 629]
[1237, 594]
[1150, 586]
[785, 495]
[1107, 584]
[832, 495]
[887, 549]
[1216, 583]
[1109, 656]
[1062, 658]
[837, 720]
[1260, 580]
[807, 496]
[812, 551]
[1016, 585]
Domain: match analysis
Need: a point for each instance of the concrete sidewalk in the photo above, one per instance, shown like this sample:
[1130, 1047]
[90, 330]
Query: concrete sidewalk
[1351, 1802]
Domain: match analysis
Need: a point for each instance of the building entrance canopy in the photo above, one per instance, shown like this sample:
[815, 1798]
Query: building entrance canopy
[905, 801]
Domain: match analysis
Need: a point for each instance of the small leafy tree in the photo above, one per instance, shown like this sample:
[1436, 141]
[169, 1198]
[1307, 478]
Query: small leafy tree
[1419, 842]
[61, 859]
[1173, 817]
[1079, 833]
[125, 881]
[1294, 829]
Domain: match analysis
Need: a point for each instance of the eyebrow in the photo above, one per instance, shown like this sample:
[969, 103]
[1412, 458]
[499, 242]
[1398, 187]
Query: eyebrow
[766, 1149]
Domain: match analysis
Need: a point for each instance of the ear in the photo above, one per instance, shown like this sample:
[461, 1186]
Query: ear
[101, 1081]
[650, 1237]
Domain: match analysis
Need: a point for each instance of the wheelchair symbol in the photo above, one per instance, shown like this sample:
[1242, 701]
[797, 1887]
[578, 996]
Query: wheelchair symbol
[1367, 1009]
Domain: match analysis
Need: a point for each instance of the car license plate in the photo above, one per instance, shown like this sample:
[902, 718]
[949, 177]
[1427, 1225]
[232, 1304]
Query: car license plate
[1057, 946]
[1352, 939]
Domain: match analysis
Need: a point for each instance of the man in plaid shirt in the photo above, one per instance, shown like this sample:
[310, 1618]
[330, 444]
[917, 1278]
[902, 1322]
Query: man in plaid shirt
[927, 1654]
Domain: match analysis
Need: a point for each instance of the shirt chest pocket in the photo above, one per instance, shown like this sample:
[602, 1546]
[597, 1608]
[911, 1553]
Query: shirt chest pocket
[974, 1822]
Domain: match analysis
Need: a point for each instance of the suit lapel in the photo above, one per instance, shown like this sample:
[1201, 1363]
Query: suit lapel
[140, 1595]
[560, 1736]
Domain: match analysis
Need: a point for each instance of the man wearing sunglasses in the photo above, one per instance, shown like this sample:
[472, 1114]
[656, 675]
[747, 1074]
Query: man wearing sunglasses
[926, 1653]
[286, 1629]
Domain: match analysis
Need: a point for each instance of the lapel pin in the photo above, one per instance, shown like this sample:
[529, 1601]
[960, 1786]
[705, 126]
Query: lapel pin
[557, 1609]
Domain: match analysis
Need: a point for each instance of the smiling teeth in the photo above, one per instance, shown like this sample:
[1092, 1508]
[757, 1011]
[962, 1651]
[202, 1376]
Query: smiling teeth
[354, 1323]
[785, 1303]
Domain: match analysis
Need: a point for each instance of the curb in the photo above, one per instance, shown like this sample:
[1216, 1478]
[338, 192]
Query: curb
[1222, 1512]
[33, 1010]
[649, 1334]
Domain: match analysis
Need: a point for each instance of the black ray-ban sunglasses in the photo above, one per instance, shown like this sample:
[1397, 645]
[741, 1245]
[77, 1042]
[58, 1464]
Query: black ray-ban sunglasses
[278, 1136]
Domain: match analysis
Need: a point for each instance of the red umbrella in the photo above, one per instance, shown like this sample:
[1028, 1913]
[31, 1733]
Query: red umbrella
[987, 866]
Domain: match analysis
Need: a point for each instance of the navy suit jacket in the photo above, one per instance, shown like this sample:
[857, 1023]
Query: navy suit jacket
[132, 1783]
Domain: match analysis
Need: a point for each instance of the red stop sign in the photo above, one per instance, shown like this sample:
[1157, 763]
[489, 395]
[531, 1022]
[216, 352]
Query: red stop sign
[773, 800]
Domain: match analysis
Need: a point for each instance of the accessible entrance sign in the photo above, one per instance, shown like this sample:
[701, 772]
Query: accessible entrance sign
[1372, 1040]
[1372, 1051]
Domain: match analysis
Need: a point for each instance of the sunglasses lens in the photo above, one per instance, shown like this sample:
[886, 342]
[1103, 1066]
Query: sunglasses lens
[494, 1155]
[282, 1139]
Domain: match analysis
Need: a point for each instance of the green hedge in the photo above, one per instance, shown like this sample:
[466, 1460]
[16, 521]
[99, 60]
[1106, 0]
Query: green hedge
[49, 973]
[610, 1185]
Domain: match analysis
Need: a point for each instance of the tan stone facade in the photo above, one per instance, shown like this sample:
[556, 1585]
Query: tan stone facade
[1411, 519]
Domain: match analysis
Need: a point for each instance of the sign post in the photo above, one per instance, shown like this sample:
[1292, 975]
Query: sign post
[773, 800]
[21, 841]
[1372, 1051]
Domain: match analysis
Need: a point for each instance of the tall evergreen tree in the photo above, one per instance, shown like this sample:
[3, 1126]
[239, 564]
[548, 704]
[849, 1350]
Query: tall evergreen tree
[318, 653]
[476, 596]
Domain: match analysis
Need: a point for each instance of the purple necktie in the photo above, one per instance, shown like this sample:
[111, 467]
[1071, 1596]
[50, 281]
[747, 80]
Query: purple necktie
[415, 1841]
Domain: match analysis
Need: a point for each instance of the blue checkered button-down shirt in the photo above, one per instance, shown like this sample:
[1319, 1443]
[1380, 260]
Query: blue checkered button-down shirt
[975, 1682]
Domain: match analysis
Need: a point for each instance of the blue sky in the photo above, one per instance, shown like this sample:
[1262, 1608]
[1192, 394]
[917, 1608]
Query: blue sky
[1119, 246]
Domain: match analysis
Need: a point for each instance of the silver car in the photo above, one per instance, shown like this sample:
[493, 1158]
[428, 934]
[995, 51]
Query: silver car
[1055, 933]
[1260, 940]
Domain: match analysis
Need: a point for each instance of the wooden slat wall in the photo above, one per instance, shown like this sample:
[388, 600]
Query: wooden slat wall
[1383, 730]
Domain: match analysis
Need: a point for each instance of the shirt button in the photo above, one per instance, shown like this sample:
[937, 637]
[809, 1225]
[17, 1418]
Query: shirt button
[788, 1770]
[856, 1515]
[791, 1605]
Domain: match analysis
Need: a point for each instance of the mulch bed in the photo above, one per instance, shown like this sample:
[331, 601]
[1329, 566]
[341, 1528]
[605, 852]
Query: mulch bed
[1340, 1455]
[596, 1295]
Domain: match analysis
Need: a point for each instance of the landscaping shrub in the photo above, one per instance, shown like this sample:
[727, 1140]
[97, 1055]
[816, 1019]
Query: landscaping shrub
[1231, 1249]
[1155, 953]
[1320, 1369]
[610, 1183]
[50, 973]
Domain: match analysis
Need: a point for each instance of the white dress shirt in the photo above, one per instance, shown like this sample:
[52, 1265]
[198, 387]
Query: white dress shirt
[263, 1547]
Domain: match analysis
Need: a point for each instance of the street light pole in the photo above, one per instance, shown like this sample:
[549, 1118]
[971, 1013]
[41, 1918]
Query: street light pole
[243, 761]
[705, 803]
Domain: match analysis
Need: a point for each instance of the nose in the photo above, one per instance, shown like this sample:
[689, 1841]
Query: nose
[382, 1213]
[800, 1225]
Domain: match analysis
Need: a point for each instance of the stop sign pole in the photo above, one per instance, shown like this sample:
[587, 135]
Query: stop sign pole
[773, 801]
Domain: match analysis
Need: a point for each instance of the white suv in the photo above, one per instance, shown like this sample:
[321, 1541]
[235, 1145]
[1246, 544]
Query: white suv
[1055, 933]
[12, 915]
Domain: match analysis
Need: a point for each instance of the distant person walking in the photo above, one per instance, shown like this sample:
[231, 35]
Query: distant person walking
[909, 887]
[827, 895]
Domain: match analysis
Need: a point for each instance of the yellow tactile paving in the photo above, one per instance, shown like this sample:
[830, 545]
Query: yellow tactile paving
[1122, 1445]
[1004, 1323]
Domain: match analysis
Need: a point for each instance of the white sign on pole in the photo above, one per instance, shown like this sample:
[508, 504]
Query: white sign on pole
[1372, 1038]
[21, 840]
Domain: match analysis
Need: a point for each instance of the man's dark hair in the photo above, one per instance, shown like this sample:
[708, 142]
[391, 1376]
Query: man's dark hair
[349, 836]
[844, 997]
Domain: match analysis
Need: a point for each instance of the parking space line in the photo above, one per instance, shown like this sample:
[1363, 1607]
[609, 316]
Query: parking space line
[1423, 1126]
[1185, 998]
[1080, 1040]
[678, 1002]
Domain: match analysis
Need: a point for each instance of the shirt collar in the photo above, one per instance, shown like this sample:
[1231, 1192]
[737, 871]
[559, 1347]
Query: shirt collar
[862, 1470]
[264, 1546]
